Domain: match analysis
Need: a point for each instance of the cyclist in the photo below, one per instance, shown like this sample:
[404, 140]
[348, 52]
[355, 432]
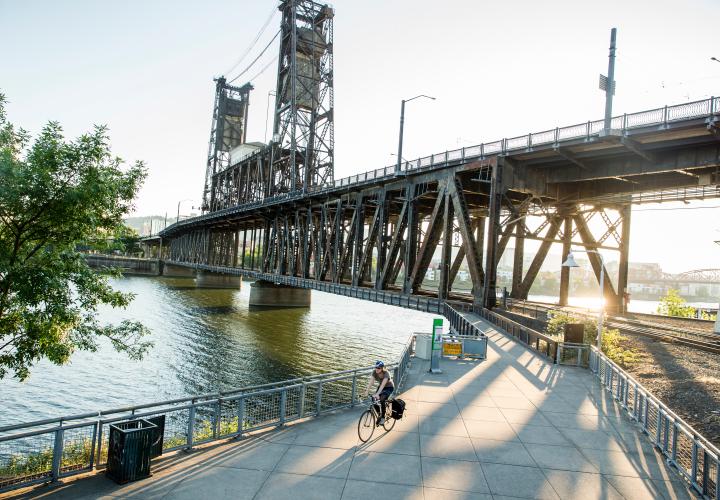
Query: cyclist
[385, 387]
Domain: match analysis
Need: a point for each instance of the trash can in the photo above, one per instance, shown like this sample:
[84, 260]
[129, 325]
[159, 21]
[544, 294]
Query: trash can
[574, 333]
[130, 449]
[423, 346]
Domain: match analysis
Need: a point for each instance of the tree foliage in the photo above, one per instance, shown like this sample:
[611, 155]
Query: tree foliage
[674, 305]
[55, 195]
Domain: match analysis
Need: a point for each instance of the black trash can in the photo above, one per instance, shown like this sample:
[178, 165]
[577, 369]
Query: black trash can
[130, 450]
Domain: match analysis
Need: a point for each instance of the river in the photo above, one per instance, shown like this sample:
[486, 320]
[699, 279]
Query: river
[210, 340]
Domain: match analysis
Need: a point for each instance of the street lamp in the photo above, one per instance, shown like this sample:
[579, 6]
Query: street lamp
[178, 209]
[715, 59]
[402, 121]
[570, 262]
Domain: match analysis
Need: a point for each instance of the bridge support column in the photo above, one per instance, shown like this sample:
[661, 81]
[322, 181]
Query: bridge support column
[174, 271]
[266, 294]
[517, 276]
[565, 271]
[489, 298]
[209, 279]
[624, 259]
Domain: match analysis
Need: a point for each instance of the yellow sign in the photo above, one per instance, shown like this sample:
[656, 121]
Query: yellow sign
[452, 349]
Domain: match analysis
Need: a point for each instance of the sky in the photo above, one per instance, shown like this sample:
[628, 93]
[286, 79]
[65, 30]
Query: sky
[496, 69]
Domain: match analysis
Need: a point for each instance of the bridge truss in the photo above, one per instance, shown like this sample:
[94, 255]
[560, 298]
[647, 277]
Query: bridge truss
[278, 211]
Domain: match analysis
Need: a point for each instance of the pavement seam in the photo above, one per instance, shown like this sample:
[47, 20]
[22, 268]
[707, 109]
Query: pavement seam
[271, 472]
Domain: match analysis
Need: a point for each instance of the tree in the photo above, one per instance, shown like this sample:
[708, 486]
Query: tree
[674, 305]
[54, 196]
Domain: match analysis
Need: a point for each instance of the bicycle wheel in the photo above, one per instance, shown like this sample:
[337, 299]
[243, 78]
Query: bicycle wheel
[366, 425]
[389, 421]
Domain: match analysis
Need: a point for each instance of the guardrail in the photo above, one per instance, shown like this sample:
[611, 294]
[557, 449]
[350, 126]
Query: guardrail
[693, 456]
[47, 450]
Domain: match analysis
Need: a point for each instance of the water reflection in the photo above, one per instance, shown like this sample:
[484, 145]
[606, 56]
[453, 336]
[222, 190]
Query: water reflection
[208, 340]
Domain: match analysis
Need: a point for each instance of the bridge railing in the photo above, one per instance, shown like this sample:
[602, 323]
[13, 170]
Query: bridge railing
[47, 450]
[658, 116]
[694, 457]
[661, 117]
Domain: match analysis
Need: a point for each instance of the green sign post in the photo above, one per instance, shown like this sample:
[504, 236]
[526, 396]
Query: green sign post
[436, 346]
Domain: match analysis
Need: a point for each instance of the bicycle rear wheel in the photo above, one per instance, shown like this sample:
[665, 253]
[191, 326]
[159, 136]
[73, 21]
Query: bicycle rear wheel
[389, 421]
[366, 425]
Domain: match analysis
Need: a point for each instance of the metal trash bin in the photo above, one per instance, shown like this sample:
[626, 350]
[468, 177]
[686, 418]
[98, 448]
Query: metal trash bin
[131, 446]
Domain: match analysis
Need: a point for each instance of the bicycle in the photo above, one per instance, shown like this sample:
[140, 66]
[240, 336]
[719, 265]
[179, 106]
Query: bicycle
[369, 418]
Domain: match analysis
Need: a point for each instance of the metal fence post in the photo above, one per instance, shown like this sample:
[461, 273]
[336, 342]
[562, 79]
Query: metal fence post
[57, 454]
[283, 402]
[191, 425]
[318, 399]
[353, 392]
[241, 416]
[217, 417]
[301, 400]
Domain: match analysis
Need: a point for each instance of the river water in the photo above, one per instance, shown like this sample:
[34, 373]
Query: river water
[210, 340]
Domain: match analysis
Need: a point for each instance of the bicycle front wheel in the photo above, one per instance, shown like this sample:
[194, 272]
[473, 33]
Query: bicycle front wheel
[366, 426]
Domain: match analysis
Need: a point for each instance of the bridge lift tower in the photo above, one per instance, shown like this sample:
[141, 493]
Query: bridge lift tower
[303, 132]
[228, 130]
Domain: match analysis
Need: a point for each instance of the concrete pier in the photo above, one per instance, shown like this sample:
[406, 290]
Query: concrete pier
[209, 279]
[174, 271]
[266, 294]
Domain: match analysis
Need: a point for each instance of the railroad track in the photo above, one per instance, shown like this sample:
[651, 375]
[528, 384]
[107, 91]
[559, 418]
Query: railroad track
[680, 335]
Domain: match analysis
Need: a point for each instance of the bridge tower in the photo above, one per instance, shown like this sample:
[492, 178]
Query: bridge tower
[303, 132]
[228, 130]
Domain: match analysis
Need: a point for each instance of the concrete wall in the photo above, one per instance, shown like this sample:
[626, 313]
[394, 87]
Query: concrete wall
[128, 265]
[266, 294]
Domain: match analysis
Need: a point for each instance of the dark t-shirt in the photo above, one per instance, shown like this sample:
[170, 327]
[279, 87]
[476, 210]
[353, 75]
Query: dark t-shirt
[382, 376]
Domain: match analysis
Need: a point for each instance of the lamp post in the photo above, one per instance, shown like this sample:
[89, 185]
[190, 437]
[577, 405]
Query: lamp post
[402, 122]
[715, 59]
[570, 262]
[178, 209]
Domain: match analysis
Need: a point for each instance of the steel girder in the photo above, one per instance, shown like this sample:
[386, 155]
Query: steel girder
[399, 236]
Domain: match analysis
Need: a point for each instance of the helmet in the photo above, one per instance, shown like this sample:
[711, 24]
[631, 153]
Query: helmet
[379, 364]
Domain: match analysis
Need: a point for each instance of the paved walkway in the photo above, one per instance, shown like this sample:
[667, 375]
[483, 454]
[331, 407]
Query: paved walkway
[509, 426]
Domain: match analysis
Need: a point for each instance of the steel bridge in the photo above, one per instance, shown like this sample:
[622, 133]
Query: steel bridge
[276, 211]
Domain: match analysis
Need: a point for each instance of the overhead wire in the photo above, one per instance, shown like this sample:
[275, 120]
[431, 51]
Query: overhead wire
[263, 69]
[256, 59]
[252, 45]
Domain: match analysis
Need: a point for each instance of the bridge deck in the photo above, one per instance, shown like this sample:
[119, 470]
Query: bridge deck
[512, 425]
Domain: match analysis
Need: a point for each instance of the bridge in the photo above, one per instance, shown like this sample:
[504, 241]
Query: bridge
[275, 212]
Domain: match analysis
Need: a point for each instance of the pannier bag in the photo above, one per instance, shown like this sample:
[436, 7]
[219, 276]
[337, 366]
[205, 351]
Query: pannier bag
[398, 408]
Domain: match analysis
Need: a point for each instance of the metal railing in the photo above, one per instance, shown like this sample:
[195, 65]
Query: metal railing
[697, 460]
[47, 450]
[573, 354]
[532, 338]
[661, 117]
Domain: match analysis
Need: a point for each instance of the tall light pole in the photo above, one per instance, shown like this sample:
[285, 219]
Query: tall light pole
[715, 59]
[570, 262]
[402, 122]
[608, 83]
[178, 209]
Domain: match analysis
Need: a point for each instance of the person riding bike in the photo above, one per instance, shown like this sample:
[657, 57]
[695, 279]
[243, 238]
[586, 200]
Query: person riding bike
[385, 387]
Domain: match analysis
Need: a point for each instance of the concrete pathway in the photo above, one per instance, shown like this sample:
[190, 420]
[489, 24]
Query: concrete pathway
[513, 425]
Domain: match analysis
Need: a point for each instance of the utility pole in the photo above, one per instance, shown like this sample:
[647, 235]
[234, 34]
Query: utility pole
[608, 83]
